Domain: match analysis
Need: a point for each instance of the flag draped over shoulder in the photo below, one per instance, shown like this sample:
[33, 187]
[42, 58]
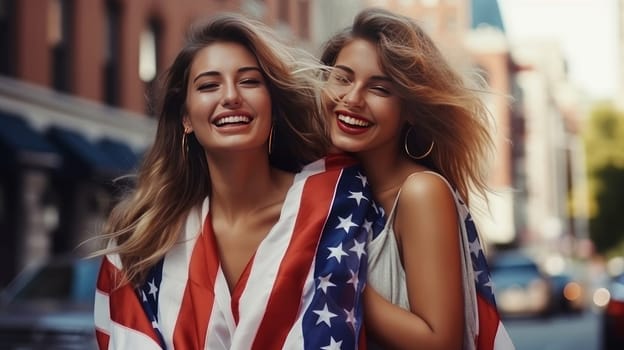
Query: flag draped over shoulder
[488, 332]
[301, 289]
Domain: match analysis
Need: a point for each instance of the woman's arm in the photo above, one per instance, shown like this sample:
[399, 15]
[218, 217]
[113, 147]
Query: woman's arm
[428, 235]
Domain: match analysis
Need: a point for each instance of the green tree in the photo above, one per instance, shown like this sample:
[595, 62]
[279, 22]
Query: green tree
[604, 144]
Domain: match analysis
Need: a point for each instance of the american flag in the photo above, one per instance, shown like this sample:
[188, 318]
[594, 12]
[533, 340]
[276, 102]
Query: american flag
[490, 332]
[301, 290]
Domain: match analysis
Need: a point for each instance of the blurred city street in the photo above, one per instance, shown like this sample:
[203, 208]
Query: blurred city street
[561, 332]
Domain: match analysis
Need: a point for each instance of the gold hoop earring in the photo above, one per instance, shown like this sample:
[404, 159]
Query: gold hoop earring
[185, 146]
[408, 151]
[271, 140]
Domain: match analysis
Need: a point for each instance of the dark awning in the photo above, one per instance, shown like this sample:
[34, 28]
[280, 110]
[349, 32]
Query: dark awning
[21, 144]
[83, 157]
[120, 153]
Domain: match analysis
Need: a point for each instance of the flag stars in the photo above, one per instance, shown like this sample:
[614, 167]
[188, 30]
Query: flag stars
[475, 247]
[325, 282]
[333, 345]
[354, 280]
[152, 289]
[337, 252]
[368, 226]
[363, 179]
[358, 248]
[351, 317]
[324, 316]
[346, 223]
[358, 196]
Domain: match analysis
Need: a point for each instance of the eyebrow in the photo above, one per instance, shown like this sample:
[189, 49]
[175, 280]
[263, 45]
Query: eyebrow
[374, 77]
[217, 73]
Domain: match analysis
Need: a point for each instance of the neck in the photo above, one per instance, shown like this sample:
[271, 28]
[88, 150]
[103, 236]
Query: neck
[243, 184]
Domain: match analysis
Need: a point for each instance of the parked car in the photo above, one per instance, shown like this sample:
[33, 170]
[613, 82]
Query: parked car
[521, 288]
[613, 316]
[50, 306]
[568, 293]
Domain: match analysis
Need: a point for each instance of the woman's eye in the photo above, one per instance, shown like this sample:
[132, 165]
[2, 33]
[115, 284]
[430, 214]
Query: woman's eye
[250, 82]
[208, 86]
[381, 90]
[339, 78]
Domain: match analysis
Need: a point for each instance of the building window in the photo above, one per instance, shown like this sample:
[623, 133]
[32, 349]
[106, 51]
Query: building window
[59, 29]
[111, 52]
[7, 37]
[283, 11]
[304, 19]
[148, 58]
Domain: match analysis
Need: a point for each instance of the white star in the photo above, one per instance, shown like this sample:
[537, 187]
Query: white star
[346, 223]
[351, 317]
[337, 252]
[477, 274]
[324, 283]
[363, 179]
[368, 226]
[358, 248]
[358, 196]
[489, 284]
[333, 345]
[153, 290]
[354, 280]
[155, 324]
[475, 247]
[143, 295]
[324, 316]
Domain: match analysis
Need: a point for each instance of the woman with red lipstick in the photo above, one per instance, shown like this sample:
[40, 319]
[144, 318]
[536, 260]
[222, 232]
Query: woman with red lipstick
[238, 234]
[422, 136]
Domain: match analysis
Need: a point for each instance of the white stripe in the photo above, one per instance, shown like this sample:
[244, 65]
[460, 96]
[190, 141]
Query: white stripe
[294, 340]
[221, 326]
[502, 341]
[101, 312]
[124, 338]
[175, 274]
[267, 261]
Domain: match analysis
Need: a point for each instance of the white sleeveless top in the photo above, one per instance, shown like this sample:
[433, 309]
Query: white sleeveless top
[387, 275]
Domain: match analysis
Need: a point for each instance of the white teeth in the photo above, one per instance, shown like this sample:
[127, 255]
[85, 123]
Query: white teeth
[352, 121]
[233, 119]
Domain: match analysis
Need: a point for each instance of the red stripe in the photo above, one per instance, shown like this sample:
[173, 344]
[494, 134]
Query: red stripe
[102, 339]
[192, 323]
[488, 324]
[286, 296]
[239, 288]
[339, 161]
[125, 306]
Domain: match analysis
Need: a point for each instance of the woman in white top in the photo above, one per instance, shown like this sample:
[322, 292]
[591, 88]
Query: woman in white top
[422, 135]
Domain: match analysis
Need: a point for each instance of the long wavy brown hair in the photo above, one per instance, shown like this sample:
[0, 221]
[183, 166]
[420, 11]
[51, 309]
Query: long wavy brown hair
[439, 104]
[146, 224]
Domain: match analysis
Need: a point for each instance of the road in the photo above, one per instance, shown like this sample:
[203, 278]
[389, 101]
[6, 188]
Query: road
[562, 332]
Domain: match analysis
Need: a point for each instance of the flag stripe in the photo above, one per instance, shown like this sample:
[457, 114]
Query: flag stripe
[198, 300]
[285, 300]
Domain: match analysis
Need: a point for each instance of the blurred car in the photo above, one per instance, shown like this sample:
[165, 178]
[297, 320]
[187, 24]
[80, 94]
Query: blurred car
[521, 288]
[50, 306]
[567, 293]
[613, 316]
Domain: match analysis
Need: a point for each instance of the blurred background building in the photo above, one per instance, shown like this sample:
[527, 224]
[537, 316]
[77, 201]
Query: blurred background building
[76, 78]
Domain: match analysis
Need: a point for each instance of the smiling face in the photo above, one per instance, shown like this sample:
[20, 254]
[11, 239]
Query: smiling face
[366, 112]
[228, 105]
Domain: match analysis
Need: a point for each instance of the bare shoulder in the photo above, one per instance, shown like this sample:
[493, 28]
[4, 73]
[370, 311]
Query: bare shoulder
[426, 204]
[424, 187]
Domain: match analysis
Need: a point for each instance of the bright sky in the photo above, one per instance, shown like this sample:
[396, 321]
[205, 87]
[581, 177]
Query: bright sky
[585, 29]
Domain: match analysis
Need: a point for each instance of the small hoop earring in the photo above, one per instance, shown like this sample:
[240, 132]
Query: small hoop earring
[408, 151]
[271, 140]
[185, 146]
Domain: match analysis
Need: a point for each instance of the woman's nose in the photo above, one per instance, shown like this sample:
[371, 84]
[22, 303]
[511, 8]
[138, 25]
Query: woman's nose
[231, 96]
[353, 97]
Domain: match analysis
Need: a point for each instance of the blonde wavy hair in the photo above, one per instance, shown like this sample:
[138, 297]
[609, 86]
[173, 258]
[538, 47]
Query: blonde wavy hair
[439, 104]
[146, 224]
